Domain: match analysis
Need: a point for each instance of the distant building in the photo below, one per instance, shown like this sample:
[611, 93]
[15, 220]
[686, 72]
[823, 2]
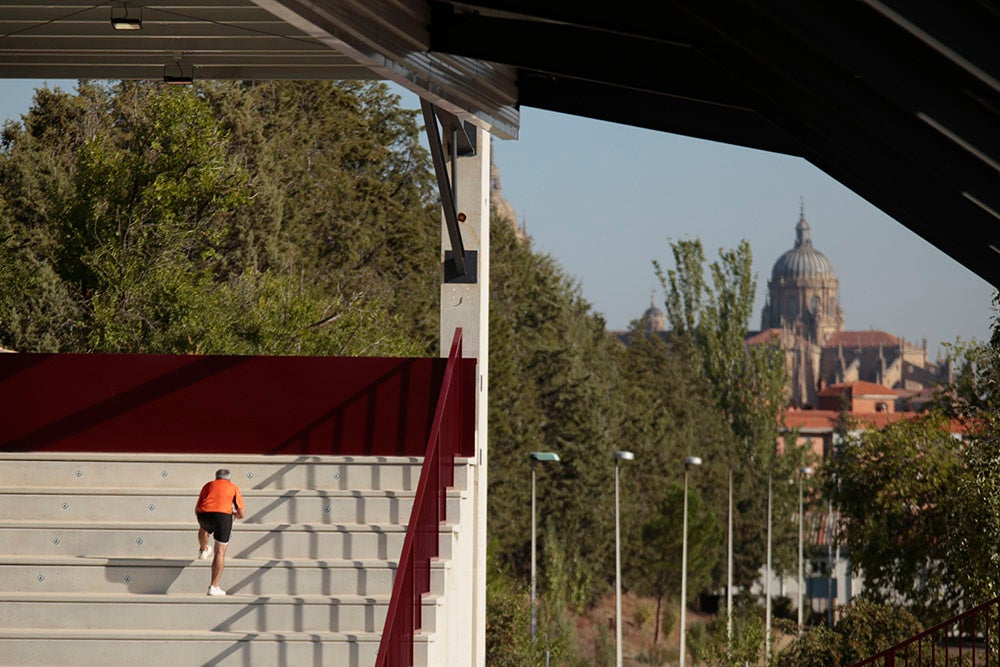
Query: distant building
[802, 315]
[871, 378]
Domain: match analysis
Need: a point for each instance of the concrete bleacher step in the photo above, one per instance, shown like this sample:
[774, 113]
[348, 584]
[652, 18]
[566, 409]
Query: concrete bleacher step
[152, 648]
[98, 566]
[291, 506]
[161, 576]
[184, 471]
[178, 540]
[233, 613]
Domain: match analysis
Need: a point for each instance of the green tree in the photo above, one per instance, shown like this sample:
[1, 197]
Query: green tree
[508, 612]
[973, 526]
[709, 307]
[896, 489]
[554, 381]
[866, 629]
[819, 646]
[222, 217]
[558, 382]
[660, 558]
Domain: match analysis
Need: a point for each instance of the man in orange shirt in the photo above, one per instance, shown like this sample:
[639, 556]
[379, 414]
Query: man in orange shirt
[217, 503]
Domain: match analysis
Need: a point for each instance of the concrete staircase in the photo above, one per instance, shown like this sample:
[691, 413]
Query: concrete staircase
[98, 561]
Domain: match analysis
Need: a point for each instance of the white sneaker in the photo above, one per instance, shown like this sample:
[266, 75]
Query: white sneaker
[215, 590]
[203, 555]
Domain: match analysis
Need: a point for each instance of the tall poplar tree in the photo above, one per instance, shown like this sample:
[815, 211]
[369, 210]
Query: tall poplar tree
[709, 306]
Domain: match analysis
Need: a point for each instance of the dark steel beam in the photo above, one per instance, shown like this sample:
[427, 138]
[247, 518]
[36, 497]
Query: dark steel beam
[637, 18]
[895, 67]
[587, 54]
[444, 187]
[657, 112]
[910, 186]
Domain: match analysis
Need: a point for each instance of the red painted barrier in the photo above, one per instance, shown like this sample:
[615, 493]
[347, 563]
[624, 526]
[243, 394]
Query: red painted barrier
[222, 404]
[413, 574]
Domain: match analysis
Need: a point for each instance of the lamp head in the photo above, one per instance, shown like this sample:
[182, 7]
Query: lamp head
[806, 470]
[544, 456]
[177, 75]
[126, 22]
[624, 456]
[692, 461]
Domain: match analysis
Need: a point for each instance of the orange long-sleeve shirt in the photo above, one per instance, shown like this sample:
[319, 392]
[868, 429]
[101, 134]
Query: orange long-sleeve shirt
[220, 495]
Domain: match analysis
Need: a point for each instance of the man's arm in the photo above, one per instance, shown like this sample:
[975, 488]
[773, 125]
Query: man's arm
[240, 507]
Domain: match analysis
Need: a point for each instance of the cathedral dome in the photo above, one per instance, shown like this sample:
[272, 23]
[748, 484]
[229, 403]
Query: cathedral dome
[802, 261]
[654, 319]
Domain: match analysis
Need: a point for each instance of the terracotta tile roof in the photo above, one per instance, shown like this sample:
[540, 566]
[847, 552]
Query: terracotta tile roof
[826, 420]
[811, 420]
[862, 339]
[771, 336]
[858, 389]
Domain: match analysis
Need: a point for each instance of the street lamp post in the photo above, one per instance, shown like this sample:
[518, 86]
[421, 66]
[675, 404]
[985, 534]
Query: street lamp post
[729, 572]
[767, 580]
[619, 456]
[535, 456]
[804, 472]
[688, 462]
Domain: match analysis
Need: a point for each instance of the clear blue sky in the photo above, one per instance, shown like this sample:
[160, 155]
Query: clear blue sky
[605, 200]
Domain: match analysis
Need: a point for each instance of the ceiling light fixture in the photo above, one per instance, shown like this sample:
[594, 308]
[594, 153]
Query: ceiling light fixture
[126, 22]
[175, 75]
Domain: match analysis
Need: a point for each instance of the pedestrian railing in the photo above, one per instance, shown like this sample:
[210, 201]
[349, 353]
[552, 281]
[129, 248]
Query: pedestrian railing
[967, 640]
[429, 508]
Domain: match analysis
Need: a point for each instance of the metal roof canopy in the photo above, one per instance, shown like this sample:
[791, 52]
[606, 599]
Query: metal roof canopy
[899, 100]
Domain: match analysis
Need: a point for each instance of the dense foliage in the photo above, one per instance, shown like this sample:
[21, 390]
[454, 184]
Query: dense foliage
[866, 629]
[560, 383]
[709, 305]
[895, 486]
[299, 218]
[921, 506]
[277, 218]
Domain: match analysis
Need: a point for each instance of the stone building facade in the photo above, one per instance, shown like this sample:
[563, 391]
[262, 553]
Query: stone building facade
[802, 315]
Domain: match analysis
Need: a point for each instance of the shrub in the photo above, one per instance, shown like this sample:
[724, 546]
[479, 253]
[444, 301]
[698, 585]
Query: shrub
[817, 647]
[868, 628]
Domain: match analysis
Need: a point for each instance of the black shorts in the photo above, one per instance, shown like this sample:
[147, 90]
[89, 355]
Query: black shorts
[217, 524]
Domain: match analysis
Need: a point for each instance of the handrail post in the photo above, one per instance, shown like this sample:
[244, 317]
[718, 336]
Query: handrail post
[430, 504]
[888, 656]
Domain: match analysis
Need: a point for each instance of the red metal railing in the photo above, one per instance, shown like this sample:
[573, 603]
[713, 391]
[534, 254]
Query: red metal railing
[413, 574]
[967, 640]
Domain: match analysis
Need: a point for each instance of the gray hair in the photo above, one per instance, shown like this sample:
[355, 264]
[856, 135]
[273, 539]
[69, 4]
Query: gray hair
[222, 473]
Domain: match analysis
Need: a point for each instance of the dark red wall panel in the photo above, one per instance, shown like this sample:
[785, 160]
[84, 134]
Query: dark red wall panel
[224, 404]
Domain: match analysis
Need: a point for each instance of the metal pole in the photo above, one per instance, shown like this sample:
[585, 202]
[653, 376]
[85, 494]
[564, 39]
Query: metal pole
[534, 625]
[729, 575]
[767, 580]
[618, 577]
[798, 601]
[830, 578]
[684, 558]
[688, 462]
[619, 456]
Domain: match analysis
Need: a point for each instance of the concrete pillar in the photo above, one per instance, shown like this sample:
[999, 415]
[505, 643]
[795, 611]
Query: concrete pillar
[466, 305]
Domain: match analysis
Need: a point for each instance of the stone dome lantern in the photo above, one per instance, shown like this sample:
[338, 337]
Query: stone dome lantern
[803, 291]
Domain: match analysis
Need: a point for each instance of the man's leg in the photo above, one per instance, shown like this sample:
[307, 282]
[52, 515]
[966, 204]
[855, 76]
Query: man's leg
[219, 562]
[202, 539]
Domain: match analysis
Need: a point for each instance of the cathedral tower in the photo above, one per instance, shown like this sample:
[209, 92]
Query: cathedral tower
[802, 292]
